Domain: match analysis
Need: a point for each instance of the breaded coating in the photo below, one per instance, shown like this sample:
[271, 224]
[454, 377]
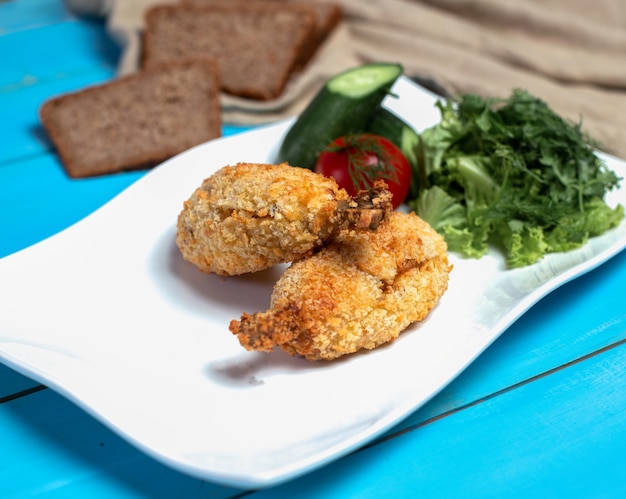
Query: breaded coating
[359, 292]
[248, 217]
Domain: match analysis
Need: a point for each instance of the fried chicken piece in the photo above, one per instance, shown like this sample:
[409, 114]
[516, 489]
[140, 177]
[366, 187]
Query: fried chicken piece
[359, 292]
[248, 217]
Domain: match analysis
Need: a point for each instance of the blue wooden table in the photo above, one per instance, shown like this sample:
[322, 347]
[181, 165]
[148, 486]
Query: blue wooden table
[541, 413]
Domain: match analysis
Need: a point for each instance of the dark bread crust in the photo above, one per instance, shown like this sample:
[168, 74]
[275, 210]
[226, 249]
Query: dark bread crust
[256, 47]
[327, 16]
[136, 121]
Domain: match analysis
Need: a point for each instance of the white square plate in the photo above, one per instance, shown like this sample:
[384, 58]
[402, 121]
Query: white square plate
[108, 314]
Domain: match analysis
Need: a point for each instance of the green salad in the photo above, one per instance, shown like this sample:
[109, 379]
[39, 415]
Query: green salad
[512, 173]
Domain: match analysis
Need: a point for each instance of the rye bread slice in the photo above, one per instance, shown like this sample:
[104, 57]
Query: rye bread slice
[256, 47]
[327, 16]
[135, 121]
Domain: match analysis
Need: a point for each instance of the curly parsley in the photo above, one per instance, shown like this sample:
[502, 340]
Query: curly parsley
[514, 173]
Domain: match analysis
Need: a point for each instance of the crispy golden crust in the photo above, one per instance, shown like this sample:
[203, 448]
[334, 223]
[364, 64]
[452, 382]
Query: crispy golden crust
[359, 292]
[248, 217]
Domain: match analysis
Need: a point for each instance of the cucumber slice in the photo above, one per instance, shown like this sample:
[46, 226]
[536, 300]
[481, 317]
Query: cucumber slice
[389, 125]
[345, 104]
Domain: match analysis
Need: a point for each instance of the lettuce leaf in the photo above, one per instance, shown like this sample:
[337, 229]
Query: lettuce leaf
[513, 173]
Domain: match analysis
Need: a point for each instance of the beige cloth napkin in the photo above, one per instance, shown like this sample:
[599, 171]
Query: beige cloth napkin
[571, 53]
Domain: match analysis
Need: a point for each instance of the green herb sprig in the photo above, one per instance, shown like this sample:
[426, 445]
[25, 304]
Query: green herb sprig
[514, 173]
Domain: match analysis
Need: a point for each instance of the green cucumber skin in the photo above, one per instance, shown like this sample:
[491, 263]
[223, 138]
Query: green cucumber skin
[329, 116]
[387, 124]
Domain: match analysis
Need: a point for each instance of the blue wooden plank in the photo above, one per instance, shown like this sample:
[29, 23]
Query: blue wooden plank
[11, 382]
[499, 364]
[18, 15]
[51, 448]
[550, 334]
[473, 443]
[31, 75]
[579, 318]
[38, 199]
[51, 51]
[20, 128]
[559, 436]
[32, 72]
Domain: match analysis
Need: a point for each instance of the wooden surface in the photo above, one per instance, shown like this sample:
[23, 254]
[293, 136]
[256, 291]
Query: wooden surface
[541, 413]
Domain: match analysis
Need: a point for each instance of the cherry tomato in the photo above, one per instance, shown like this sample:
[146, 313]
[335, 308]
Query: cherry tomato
[356, 161]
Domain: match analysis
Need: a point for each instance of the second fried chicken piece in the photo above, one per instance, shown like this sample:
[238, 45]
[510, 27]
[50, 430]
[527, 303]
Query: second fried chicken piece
[249, 216]
[359, 292]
